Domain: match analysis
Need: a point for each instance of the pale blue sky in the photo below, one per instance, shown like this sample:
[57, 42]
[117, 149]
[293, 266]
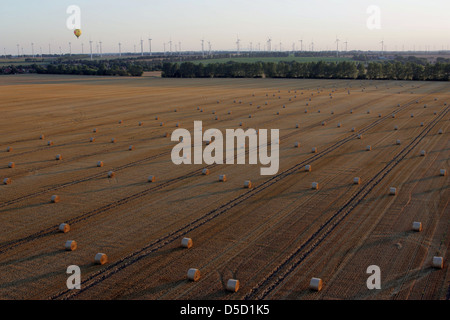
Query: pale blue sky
[404, 24]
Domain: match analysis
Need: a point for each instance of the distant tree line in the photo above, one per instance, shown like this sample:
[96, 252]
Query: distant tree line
[392, 70]
[114, 67]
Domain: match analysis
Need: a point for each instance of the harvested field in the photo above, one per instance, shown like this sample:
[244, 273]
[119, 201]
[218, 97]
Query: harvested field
[272, 238]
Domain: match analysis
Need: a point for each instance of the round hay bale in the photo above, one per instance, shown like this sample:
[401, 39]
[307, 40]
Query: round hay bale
[247, 184]
[186, 243]
[92, 139]
[7, 181]
[440, 131]
[175, 110]
[417, 226]
[339, 125]
[156, 118]
[193, 274]
[131, 148]
[161, 124]
[120, 121]
[412, 115]
[315, 186]
[308, 168]
[166, 134]
[438, 262]
[318, 111]
[316, 284]
[240, 124]
[443, 172]
[353, 129]
[58, 157]
[249, 115]
[368, 148]
[205, 172]
[421, 124]
[360, 136]
[111, 174]
[100, 164]
[222, 178]
[423, 153]
[356, 180]
[351, 111]
[54, 199]
[368, 111]
[11, 165]
[216, 118]
[230, 112]
[393, 115]
[306, 111]
[9, 149]
[42, 137]
[314, 150]
[113, 140]
[100, 258]
[70, 245]
[94, 130]
[332, 112]
[141, 123]
[296, 144]
[392, 191]
[214, 112]
[297, 126]
[324, 123]
[232, 285]
[151, 179]
[64, 228]
[398, 142]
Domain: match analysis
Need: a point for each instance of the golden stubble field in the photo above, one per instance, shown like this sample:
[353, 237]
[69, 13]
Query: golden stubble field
[273, 238]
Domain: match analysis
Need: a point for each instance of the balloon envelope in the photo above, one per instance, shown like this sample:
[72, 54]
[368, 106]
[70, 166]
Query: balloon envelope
[77, 32]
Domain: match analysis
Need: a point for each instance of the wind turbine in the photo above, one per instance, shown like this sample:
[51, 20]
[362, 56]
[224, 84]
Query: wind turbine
[301, 44]
[312, 45]
[82, 48]
[280, 46]
[150, 45]
[382, 46]
[237, 44]
[70, 48]
[120, 51]
[90, 45]
[179, 47]
[203, 51]
[32, 49]
[142, 47]
[269, 42]
[18, 50]
[170, 46]
[346, 42]
[101, 52]
[49, 49]
[337, 46]
[209, 47]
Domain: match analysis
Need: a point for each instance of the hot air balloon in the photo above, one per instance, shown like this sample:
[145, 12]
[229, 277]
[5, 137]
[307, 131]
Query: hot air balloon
[77, 32]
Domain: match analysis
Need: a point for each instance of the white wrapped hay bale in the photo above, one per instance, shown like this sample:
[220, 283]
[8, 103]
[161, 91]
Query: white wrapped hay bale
[392, 191]
[161, 124]
[324, 123]
[360, 136]
[353, 129]
[193, 274]
[100, 164]
[111, 174]
[7, 181]
[247, 184]
[49, 143]
[314, 150]
[296, 144]
[417, 226]
[141, 123]
[120, 121]
[297, 126]
[443, 172]
[54, 199]
[308, 168]
[9, 149]
[156, 118]
[356, 180]
[151, 179]
[423, 153]
[100, 258]
[92, 139]
[440, 131]
[315, 186]
[438, 262]
[316, 284]
[58, 157]
[379, 115]
[222, 178]
[421, 124]
[232, 285]
[186, 243]
[11, 165]
[398, 142]
[205, 172]
[64, 227]
[339, 125]
[94, 130]
[70, 245]
[368, 148]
